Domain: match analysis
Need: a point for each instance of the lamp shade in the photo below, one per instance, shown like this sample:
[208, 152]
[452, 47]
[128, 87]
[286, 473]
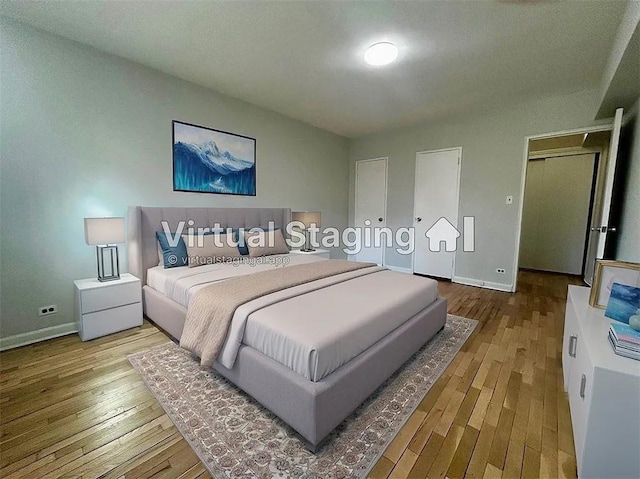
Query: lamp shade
[101, 231]
[308, 218]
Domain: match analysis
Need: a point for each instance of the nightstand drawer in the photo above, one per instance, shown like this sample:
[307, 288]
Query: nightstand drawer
[110, 321]
[110, 297]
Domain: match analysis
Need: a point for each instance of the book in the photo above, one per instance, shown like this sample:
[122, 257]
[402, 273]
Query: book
[624, 332]
[619, 349]
[623, 344]
[622, 351]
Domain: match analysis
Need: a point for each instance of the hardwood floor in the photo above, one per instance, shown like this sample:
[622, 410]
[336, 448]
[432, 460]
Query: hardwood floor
[499, 410]
[73, 409]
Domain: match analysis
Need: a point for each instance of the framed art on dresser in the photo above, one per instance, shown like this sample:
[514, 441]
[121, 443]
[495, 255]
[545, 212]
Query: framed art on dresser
[213, 161]
[608, 272]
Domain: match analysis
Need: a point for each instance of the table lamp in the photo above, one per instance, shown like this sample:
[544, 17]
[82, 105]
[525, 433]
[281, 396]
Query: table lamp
[105, 233]
[310, 219]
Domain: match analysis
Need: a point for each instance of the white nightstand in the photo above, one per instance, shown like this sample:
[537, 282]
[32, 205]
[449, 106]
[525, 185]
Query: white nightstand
[323, 253]
[104, 308]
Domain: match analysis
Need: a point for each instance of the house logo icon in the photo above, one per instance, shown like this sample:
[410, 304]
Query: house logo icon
[442, 231]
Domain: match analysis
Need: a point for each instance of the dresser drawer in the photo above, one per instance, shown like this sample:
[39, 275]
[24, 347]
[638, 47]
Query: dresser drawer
[109, 321]
[579, 389]
[110, 297]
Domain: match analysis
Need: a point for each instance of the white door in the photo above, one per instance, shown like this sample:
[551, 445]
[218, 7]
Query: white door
[371, 206]
[435, 212]
[608, 186]
[600, 222]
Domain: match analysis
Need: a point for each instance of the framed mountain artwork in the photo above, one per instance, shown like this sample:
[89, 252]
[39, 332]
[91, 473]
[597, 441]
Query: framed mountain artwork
[213, 161]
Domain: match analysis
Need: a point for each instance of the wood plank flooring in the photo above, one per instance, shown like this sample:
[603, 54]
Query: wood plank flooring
[73, 409]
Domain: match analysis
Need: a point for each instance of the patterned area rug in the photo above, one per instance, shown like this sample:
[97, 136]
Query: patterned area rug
[234, 436]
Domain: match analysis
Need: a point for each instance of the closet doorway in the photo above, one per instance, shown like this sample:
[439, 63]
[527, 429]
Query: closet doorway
[563, 193]
[556, 212]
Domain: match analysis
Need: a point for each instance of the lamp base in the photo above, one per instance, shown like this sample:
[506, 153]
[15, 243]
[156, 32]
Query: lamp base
[307, 248]
[108, 263]
[108, 278]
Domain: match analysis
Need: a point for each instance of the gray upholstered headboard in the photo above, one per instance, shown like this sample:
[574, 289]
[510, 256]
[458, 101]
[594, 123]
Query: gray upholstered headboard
[143, 222]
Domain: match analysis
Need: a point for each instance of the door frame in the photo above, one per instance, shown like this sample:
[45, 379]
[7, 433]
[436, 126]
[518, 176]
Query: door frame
[415, 184]
[386, 189]
[523, 177]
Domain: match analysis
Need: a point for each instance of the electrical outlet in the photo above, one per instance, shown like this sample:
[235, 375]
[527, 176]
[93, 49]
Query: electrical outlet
[500, 271]
[46, 310]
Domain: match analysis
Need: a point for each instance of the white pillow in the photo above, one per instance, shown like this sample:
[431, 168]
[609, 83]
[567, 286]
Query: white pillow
[264, 243]
[203, 249]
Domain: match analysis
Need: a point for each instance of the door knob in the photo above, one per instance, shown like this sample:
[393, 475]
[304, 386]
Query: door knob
[381, 219]
[604, 229]
[418, 219]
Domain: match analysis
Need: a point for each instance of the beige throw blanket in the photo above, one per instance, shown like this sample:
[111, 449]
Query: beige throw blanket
[211, 309]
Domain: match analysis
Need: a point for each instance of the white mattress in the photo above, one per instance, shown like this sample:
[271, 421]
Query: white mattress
[318, 331]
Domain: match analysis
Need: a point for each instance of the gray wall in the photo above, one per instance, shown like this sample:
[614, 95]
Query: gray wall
[87, 134]
[629, 242]
[493, 145]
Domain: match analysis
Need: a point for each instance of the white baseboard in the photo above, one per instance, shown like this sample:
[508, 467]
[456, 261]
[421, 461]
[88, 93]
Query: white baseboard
[37, 336]
[399, 269]
[483, 284]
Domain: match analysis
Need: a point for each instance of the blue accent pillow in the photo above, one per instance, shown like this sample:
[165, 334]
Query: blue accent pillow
[242, 245]
[172, 256]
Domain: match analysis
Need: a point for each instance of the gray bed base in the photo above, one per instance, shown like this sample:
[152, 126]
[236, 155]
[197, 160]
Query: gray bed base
[313, 409]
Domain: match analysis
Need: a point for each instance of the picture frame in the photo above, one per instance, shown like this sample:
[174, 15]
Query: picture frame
[608, 272]
[623, 303]
[206, 160]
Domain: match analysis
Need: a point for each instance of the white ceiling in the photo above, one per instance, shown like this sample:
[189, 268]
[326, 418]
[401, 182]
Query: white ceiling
[305, 59]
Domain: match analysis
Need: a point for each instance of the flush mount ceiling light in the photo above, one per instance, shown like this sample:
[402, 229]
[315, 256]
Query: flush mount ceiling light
[381, 53]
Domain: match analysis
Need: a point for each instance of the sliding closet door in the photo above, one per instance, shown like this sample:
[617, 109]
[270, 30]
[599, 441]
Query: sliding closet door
[556, 213]
[532, 209]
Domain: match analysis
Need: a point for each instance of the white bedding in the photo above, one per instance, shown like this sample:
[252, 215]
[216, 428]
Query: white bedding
[313, 333]
[317, 332]
[181, 283]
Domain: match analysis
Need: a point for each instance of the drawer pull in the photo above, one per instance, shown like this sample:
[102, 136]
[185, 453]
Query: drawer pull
[583, 385]
[573, 342]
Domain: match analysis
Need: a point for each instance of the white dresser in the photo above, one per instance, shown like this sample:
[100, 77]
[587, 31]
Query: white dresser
[106, 307]
[604, 393]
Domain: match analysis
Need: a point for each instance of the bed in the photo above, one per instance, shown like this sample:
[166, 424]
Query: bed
[310, 354]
